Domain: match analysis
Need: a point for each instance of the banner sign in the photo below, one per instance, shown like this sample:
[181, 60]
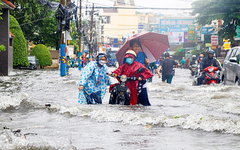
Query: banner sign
[207, 30]
[214, 39]
[191, 33]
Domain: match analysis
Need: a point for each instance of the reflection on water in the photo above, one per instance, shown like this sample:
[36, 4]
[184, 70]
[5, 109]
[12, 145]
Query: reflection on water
[39, 110]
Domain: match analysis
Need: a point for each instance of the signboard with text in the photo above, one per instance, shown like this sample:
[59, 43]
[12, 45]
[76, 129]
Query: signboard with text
[227, 45]
[214, 39]
[191, 33]
[176, 29]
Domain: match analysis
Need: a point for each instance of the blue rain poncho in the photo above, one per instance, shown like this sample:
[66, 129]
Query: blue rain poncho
[95, 80]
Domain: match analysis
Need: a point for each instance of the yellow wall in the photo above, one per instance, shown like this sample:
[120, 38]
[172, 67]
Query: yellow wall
[121, 23]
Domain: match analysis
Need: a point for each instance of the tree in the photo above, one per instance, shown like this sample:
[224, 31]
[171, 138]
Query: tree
[33, 19]
[43, 55]
[50, 33]
[228, 10]
[75, 37]
[20, 50]
[180, 52]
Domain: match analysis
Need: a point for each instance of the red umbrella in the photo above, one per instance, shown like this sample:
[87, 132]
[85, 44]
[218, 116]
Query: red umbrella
[152, 44]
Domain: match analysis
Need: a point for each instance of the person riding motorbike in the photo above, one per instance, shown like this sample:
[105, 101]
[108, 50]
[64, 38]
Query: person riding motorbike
[201, 56]
[193, 61]
[193, 65]
[210, 61]
[129, 68]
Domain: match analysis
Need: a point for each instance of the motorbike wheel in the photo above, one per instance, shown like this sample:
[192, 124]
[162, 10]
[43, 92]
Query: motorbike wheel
[193, 73]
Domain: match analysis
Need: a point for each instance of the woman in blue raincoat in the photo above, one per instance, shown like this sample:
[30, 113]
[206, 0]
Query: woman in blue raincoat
[94, 81]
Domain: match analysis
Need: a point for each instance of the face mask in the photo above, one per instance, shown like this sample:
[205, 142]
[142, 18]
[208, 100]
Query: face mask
[102, 62]
[201, 58]
[129, 61]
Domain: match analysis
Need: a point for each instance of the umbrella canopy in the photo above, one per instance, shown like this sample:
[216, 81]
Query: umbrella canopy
[152, 44]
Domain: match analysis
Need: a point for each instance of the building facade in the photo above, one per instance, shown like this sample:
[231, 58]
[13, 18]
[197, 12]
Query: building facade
[118, 22]
[6, 39]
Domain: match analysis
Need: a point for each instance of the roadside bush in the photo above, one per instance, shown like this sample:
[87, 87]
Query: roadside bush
[20, 50]
[43, 55]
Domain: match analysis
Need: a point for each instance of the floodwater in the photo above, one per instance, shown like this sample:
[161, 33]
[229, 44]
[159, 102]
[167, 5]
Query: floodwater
[182, 116]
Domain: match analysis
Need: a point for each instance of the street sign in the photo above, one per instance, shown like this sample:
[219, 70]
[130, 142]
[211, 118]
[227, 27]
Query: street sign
[214, 40]
[140, 26]
[227, 45]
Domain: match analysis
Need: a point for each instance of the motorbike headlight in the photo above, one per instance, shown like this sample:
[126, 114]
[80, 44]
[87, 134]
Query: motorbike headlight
[123, 78]
[210, 70]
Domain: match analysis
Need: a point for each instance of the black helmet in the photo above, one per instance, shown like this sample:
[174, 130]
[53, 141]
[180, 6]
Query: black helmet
[167, 55]
[211, 52]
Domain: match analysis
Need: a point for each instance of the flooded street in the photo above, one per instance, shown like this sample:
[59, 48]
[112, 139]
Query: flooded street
[182, 116]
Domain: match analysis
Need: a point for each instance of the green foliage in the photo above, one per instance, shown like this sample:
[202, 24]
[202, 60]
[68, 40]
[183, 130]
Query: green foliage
[38, 22]
[2, 48]
[75, 37]
[179, 52]
[49, 32]
[209, 10]
[43, 55]
[20, 49]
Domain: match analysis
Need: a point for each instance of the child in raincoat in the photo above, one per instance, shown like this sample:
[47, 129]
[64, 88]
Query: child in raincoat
[93, 81]
[129, 68]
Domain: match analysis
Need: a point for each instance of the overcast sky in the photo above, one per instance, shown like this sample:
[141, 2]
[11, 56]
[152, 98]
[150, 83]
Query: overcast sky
[145, 3]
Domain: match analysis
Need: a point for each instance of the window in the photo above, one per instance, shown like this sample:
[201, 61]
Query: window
[228, 54]
[142, 18]
[11, 42]
[233, 52]
[106, 19]
[102, 29]
[237, 52]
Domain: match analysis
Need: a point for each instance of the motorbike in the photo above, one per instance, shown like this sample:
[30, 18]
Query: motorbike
[211, 75]
[119, 92]
[194, 69]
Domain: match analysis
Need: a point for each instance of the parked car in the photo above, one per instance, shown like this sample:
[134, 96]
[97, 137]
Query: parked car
[33, 61]
[231, 67]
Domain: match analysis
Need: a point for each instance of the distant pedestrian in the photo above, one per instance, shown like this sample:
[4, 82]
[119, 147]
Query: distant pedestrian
[153, 68]
[167, 69]
[183, 61]
[187, 62]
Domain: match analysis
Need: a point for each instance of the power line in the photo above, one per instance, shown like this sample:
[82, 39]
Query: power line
[99, 7]
[32, 21]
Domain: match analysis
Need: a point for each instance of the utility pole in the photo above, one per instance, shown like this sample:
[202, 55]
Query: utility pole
[80, 38]
[63, 46]
[66, 40]
[90, 48]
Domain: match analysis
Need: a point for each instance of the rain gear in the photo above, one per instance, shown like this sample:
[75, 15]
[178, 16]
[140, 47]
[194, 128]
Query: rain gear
[129, 71]
[95, 80]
